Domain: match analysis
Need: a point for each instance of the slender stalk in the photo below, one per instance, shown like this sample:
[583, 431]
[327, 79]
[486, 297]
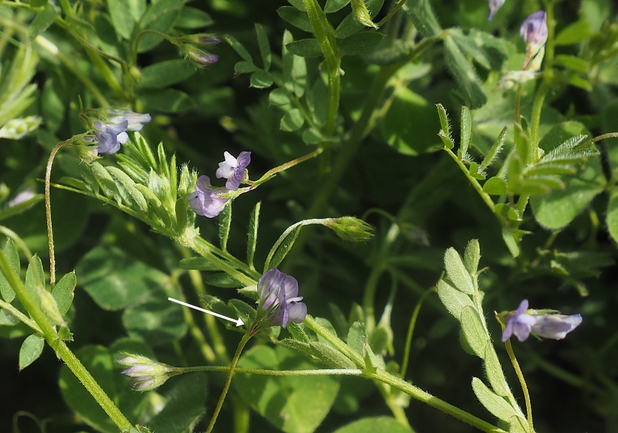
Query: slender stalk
[391, 13]
[522, 381]
[425, 397]
[243, 342]
[265, 372]
[417, 309]
[475, 183]
[48, 216]
[283, 167]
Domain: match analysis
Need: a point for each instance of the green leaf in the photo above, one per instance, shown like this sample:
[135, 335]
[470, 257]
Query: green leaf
[243, 67]
[472, 256]
[454, 300]
[166, 73]
[263, 45]
[12, 256]
[464, 74]
[298, 4]
[382, 424]
[154, 319]
[292, 120]
[444, 121]
[184, 406]
[159, 16]
[225, 223]
[114, 280]
[35, 277]
[279, 98]
[199, 263]
[495, 149]
[283, 400]
[193, 18]
[294, 68]
[474, 331]
[612, 215]
[63, 292]
[458, 273]
[237, 46]
[335, 5]
[252, 233]
[283, 249]
[222, 280]
[166, 100]
[319, 352]
[305, 48]
[360, 43]
[261, 79]
[496, 405]
[577, 64]
[558, 208]
[42, 21]
[466, 132]
[410, 123]
[423, 17]
[30, 350]
[574, 33]
[495, 375]
[120, 14]
[495, 186]
[102, 365]
[295, 17]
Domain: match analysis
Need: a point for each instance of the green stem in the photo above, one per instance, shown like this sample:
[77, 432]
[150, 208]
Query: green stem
[283, 167]
[475, 183]
[21, 316]
[391, 13]
[522, 381]
[62, 350]
[425, 397]
[243, 342]
[48, 216]
[417, 309]
[265, 372]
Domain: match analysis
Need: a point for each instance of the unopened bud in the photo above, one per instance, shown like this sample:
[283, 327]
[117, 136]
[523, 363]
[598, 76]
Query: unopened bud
[350, 228]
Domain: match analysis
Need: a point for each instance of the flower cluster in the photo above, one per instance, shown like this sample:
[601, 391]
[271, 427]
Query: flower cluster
[279, 298]
[210, 202]
[196, 47]
[541, 323]
[113, 133]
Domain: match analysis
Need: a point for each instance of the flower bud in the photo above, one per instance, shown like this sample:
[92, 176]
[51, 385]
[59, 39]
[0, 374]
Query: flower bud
[350, 228]
[145, 373]
[15, 129]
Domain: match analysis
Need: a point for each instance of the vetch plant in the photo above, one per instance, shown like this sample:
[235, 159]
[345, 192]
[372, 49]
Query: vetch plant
[318, 278]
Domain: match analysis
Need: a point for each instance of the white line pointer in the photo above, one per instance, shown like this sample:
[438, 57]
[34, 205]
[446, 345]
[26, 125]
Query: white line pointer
[238, 321]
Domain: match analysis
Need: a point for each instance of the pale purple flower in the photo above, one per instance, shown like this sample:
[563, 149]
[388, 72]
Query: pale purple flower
[111, 136]
[145, 373]
[534, 32]
[233, 169]
[279, 291]
[494, 6]
[26, 194]
[135, 121]
[207, 201]
[523, 322]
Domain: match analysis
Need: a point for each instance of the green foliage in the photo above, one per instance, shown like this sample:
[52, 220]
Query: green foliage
[283, 401]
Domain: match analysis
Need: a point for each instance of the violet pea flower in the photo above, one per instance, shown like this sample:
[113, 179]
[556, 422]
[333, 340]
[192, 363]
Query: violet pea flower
[279, 291]
[233, 169]
[207, 201]
[523, 322]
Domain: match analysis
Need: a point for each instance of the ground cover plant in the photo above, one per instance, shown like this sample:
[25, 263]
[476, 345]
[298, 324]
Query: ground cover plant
[308, 215]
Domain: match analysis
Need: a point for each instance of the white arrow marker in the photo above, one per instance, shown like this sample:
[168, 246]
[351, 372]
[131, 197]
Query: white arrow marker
[238, 321]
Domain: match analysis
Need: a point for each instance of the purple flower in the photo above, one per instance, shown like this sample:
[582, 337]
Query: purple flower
[279, 291]
[534, 32]
[234, 170]
[111, 136]
[523, 322]
[207, 201]
[494, 6]
[135, 121]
